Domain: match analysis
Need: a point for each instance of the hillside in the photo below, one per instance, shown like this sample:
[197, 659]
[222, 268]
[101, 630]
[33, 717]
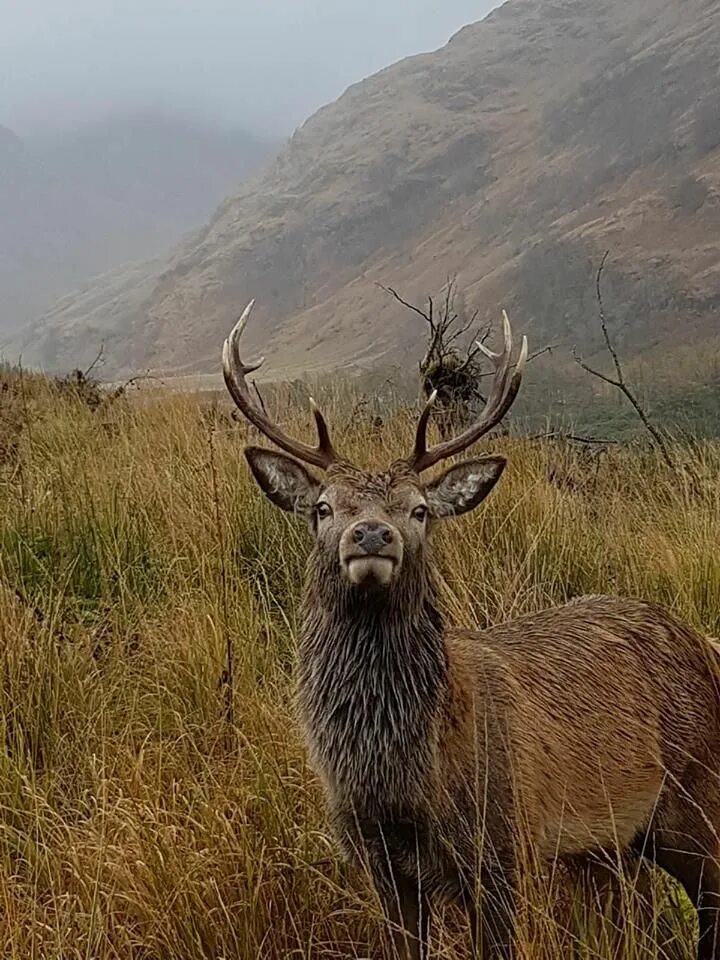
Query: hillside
[77, 203]
[515, 155]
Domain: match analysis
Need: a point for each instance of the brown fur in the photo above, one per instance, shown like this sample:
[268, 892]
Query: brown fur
[451, 757]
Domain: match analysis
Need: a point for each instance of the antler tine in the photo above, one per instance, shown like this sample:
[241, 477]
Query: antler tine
[506, 384]
[240, 325]
[324, 442]
[421, 432]
[507, 340]
[235, 371]
[502, 363]
[233, 345]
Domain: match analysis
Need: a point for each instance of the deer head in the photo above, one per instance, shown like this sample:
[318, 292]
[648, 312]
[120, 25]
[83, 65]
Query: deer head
[373, 526]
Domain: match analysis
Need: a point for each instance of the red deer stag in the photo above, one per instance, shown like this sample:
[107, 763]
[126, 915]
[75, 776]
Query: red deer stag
[593, 726]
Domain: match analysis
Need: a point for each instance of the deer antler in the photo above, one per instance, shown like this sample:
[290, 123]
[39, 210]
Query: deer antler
[502, 394]
[235, 372]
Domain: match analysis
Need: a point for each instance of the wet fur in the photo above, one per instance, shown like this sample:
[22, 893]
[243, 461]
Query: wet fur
[443, 752]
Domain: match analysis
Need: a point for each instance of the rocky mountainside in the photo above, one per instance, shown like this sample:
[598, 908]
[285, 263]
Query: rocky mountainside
[76, 203]
[514, 156]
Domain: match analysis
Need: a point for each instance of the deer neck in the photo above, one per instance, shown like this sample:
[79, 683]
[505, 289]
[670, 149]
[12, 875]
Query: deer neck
[373, 678]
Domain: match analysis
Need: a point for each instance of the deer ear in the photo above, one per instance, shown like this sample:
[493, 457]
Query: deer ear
[284, 481]
[463, 486]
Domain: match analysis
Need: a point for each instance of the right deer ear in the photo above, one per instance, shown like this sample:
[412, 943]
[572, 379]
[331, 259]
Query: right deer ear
[284, 481]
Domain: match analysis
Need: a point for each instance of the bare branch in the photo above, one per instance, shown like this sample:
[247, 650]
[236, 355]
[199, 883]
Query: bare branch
[596, 373]
[446, 322]
[573, 438]
[463, 328]
[538, 353]
[427, 317]
[256, 388]
[620, 383]
[95, 362]
[124, 387]
[471, 354]
[484, 335]
[603, 321]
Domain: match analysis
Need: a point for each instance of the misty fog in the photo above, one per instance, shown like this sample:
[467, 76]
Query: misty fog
[263, 65]
[124, 124]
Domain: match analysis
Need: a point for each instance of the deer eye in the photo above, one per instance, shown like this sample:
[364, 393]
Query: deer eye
[420, 513]
[323, 510]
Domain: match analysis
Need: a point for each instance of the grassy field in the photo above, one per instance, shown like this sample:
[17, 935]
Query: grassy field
[154, 798]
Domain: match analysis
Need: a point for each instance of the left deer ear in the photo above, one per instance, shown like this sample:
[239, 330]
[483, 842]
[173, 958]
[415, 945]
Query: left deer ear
[463, 486]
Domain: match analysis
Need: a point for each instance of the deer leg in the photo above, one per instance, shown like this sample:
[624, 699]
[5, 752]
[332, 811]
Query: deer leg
[492, 927]
[408, 913]
[488, 855]
[498, 912]
[699, 875]
[409, 916]
[685, 844]
[491, 909]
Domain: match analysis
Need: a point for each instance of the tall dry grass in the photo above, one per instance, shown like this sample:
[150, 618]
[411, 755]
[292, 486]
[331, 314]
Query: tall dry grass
[155, 805]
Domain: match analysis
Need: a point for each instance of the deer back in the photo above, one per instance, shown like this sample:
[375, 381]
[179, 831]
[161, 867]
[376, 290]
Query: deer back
[596, 707]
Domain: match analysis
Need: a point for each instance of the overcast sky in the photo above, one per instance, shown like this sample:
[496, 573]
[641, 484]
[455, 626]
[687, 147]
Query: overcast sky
[258, 64]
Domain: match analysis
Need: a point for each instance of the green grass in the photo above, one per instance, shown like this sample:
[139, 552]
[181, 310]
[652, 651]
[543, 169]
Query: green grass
[149, 811]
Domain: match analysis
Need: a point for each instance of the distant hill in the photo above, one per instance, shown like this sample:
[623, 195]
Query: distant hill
[78, 203]
[515, 155]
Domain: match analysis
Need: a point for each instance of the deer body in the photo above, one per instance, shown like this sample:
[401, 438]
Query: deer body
[615, 708]
[584, 727]
[448, 755]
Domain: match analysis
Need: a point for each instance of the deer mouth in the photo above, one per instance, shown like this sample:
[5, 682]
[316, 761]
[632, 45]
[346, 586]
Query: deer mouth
[370, 570]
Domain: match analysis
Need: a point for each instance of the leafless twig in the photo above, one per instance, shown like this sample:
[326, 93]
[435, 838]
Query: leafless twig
[463, 328]
[572, 438]
[427, 317]
[95, 362]
[256, 388]
[538, 353]
[619, 381]
[119, 391]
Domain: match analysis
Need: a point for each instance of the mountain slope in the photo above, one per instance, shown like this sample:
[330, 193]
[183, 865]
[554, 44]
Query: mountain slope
[75, 204]
[514, 156]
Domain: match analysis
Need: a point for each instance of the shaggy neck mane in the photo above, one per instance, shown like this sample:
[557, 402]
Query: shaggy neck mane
[372, 676]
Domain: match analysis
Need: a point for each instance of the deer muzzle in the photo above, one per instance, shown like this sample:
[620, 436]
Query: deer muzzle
[371, 553]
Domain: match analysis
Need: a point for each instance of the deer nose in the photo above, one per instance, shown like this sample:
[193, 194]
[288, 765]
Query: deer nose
[371, 536]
